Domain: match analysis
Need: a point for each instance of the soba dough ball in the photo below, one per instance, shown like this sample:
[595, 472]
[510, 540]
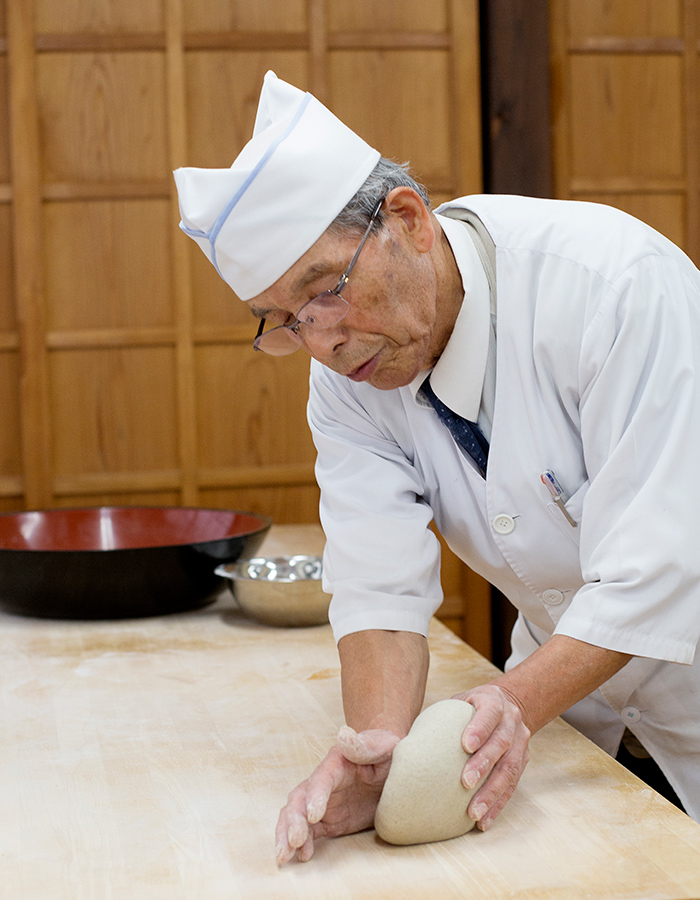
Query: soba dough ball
[424, 799]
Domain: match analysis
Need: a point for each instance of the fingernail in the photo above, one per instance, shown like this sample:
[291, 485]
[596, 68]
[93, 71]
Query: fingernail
[471, 743]
[480, 811]
[470, 779]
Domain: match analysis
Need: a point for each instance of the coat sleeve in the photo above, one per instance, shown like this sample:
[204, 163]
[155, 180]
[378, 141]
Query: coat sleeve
[640, 431]
[382, 562]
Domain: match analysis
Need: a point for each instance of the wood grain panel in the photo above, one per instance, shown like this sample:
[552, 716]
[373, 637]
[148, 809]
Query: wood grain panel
[4, 124]
[296, 503]
[223, 86]
[214, 304]
[409, 15]
[107, 264]
[102, 116]
[377, 94]
[127, 498]
[11, 431]
[115, 409]
[628, 18]
[8, 315]
[101, 16]
[251, 407]
[27, 253]
[626, 116]
[626, 122]
[244, 15]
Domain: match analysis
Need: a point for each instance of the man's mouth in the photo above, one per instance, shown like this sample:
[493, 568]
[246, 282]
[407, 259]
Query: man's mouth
[363, 372]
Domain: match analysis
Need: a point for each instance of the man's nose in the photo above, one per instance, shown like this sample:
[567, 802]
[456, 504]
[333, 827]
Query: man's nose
[322, 343]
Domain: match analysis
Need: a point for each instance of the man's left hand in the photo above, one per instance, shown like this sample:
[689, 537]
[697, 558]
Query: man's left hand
[498, 739]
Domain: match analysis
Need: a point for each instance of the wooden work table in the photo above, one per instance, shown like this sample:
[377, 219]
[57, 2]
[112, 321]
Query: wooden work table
[148, 759]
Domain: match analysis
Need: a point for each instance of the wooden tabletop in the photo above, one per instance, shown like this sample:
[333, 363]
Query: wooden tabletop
[148, 759]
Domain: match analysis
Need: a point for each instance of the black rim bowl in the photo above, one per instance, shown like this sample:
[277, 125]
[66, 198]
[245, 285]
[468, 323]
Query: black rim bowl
[119, 562]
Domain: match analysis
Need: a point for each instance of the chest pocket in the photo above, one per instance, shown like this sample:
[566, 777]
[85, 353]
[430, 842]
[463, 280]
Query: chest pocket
[574, 508]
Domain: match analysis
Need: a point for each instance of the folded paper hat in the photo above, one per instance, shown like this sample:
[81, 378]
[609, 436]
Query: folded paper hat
[290, 181]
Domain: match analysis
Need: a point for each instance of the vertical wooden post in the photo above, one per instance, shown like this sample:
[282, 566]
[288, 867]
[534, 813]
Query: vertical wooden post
[318, 50]
[560, 95]
[182, 279]
[465, 104]
[27, 247]
[516, 97]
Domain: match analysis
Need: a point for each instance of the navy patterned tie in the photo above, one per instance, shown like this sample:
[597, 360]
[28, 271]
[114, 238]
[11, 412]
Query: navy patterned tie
[467, 434]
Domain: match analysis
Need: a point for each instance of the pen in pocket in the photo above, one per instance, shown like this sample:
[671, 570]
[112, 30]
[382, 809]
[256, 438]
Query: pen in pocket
[549, 480]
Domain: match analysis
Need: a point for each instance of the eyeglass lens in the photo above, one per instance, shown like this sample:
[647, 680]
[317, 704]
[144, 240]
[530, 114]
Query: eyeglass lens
[323, 311]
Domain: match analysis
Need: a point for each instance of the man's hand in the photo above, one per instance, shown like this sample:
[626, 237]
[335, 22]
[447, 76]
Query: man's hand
[515, 705]
[340, 796]
[498, 739]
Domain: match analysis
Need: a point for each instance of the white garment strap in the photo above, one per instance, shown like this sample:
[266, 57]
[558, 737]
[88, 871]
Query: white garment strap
[483, 242]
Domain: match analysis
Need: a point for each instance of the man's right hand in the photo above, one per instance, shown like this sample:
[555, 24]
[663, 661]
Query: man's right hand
[339, 797]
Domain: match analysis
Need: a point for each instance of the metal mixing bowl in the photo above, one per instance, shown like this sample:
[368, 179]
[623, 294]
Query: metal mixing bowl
[280, 590]
[119, 562]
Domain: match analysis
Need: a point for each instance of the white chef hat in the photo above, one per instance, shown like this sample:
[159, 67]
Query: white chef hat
[290, 181]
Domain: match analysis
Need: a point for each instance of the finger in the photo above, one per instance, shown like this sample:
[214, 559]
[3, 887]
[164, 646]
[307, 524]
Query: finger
[321, 784]
[305, 853]
[286, 839]
[367, 747]
[488, 716]
[292, 828]
[498, 788]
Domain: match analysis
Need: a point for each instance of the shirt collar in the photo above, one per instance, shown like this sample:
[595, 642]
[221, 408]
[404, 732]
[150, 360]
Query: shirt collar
[458, 376]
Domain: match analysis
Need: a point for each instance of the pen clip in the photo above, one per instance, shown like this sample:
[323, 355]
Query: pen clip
[549, 480]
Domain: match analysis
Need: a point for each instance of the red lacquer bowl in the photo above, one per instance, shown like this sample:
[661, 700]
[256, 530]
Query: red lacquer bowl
[119, 562]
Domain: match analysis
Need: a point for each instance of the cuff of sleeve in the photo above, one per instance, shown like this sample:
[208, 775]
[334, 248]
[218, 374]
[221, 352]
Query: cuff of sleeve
[383, 612]
[633, 641]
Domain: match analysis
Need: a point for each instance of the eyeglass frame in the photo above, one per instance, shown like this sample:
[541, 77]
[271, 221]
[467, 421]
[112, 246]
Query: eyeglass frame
[293, 329]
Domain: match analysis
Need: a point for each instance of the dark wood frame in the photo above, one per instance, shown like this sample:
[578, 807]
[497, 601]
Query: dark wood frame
[516, 97]
[517, 156]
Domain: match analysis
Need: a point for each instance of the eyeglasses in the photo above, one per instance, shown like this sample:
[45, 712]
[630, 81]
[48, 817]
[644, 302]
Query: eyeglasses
[323, 311]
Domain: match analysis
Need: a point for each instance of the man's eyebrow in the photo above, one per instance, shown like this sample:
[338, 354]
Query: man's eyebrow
[316, 271]
[319, 270]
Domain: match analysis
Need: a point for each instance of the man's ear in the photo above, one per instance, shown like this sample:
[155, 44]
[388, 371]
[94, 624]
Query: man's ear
[407, 209]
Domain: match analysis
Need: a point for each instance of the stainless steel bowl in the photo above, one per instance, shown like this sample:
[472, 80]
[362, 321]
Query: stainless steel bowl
[280, 590]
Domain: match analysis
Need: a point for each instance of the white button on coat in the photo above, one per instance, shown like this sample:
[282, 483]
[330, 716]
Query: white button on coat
[630, 715]
[503, 523]
[553, 597]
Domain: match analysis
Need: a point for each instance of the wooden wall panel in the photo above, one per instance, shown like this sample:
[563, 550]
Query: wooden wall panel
[10, 443]
[639, 97]
[98, 16]
[407, 16]
[115, 411]
[287, 502]
[102, 116]
[624, 18]
[389, 122]
[8, 313]
[247, 410]
[245, 16]
[4, 129]
[138, 382]
[626, 114]
[99, 256]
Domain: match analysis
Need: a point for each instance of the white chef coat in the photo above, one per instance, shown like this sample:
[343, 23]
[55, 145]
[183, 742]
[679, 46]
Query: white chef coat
[597, 373]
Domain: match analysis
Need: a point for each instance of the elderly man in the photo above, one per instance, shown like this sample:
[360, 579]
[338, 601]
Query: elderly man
[525, 373]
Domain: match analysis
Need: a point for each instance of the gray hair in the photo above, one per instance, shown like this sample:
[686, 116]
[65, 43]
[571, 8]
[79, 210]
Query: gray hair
[385, 176]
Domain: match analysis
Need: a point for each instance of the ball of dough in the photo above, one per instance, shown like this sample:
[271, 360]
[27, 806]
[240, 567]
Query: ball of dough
[424, 799]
